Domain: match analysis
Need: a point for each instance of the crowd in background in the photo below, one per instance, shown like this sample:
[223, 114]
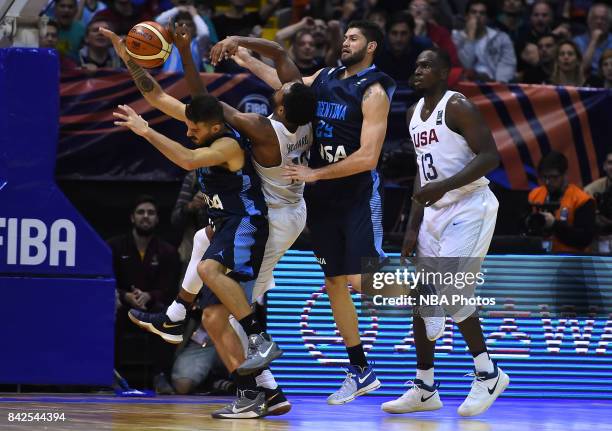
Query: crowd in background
[561, 42]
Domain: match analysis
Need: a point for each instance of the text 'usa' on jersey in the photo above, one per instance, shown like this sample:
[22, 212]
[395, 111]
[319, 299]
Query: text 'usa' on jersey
[230, 193]
[339, 116]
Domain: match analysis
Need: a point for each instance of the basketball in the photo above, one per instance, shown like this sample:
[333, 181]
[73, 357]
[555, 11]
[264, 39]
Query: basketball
[149, 44]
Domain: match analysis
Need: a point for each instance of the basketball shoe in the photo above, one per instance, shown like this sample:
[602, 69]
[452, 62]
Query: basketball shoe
[248, 404]
[419, 398]
[160, 324]
[261, 351]
[486, 387]
[357, 382]
[434, 326]
[277, 402]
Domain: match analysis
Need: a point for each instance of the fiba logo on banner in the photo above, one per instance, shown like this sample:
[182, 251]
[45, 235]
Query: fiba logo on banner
[30, 241]
[256, 104]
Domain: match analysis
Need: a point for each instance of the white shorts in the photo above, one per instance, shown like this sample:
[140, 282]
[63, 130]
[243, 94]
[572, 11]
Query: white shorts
[286, 223]
[461, 231]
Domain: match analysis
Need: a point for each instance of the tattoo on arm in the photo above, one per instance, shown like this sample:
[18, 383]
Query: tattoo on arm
[143, 80]
[367, 93]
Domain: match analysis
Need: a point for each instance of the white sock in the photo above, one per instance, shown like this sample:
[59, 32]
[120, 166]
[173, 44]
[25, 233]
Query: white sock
[266, 380]
[483, 363]
[176, 312]
[427, 376]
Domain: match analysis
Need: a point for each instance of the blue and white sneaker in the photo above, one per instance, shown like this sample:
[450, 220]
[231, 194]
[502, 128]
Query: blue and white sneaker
[486, 387]
[356, 383]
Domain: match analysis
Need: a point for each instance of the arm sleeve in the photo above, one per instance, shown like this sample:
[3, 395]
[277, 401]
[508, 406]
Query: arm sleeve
[506, 66]
[582, 232]
[466, 49]
[201, 27]
[165, 17]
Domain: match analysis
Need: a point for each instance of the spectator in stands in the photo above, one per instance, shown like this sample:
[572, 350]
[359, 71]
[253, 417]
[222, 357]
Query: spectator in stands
[541, 72]
[447, 13]
[48, 39]
[236, 21]
[398, 56]
[206, 9]
[572, 225]
[567, 69]
[147, 271]
[198, 32]
[378, 17]
[487, 54]
[597, 38]
[327, 39]
[604, 78]
[541, 21]
[189, 215]
[98, 51]
[87, 9]
[425, 26]
[512, 18]
[123, 14]
[303, 53]
[601, 190]
[71, 31]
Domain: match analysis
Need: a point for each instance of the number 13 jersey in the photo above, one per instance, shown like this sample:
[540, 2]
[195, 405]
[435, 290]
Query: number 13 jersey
[441, 152]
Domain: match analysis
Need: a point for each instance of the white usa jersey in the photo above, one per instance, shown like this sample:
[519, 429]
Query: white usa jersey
[294, 149]
[441, 152]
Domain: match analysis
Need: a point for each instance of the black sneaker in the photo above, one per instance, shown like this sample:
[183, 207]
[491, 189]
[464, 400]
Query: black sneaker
[278, 404]
[249, 404]
[160, 324]
[261, 351]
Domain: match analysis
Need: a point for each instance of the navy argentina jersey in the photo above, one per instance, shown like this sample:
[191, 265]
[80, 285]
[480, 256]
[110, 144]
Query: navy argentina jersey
[237, 209]
[344, 214]
[338, 126]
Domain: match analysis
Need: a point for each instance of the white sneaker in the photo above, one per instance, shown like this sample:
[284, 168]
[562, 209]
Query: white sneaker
[486, 387]
[419, 398]
[434, 327]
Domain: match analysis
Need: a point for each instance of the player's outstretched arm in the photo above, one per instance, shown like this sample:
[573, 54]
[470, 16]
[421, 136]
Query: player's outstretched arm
[222, 151]
[463, 117]
[286, 69]
[375, 107]
[150, 89]
[182, 41]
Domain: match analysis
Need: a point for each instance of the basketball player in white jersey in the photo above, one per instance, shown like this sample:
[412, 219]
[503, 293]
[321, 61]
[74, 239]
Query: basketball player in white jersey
[452, 216]
[281, 139]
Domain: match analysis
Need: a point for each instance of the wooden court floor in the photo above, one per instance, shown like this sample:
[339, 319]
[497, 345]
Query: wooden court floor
[94, 412]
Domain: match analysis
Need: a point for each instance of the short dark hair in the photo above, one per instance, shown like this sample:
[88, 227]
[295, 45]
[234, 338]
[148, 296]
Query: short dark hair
[141, 199]
[371, 31]
[205, 109]
[183, 15]
[553, 160]
[399, 18]
[300, 104]
[442, 57]
[96, 20]
[545, 35]
[52, 23]
[471, 3]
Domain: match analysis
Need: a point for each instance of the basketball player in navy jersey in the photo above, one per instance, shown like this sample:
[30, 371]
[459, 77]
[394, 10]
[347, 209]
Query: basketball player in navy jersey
[284, 136]
[344, 191]
[453, 216]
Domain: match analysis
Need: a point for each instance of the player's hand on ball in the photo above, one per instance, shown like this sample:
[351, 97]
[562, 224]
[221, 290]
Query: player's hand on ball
[430, 194]
[118, 43]
[300, 173]
[223, 50]
[131, 120]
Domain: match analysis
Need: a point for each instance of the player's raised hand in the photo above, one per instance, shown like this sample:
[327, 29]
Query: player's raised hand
[223, 50]
[182, 38]
[118, 43]
[131, 120]
[242, 56]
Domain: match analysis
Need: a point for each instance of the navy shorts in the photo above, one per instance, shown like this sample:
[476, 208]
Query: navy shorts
[238, 244]
[346, 236]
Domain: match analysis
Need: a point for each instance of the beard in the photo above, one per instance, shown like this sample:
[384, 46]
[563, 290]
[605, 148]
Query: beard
[354, 58]
[144, 231]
